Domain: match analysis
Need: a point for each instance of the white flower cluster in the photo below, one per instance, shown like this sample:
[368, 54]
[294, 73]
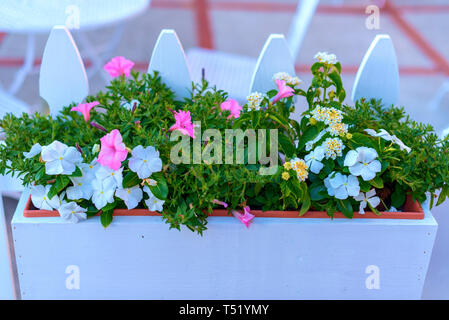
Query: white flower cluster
[255, 100]
[327, 115]
[290, 80]
[97, 183]
[328, 58]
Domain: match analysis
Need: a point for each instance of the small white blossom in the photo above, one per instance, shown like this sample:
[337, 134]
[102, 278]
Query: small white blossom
[103, 192]
[313, 160]
[333, 148]
[131, 196]
[326, 57]
[35, 150]
[145, 161]
[113, 178]
[366, 198]
[361, 162]
[60, 159]
[338, 129]
[290, 80]
[386, 136]
[153, 203]
[341, 186]
[255, 99]
[72, 212]
[39, 197]
[96, 148]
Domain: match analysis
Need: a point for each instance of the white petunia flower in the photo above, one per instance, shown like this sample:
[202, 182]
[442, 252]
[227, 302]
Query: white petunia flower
[130, 105]
[60, 159]
[386, 136]
[313, 160]
[366, 198]
[361, 162]
[72, 212]
[35, 150]
[153, 203]
[96, 148]
[109, 176]
[103, 192]
[341, 186]
[145, 161]
[39, 197]
[131, 196]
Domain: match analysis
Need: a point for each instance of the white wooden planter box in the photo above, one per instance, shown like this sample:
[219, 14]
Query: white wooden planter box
[276, 258]
[140, 258]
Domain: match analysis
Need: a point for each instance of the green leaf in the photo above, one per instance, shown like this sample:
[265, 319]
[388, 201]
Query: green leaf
[377, 183]
[106, 218]
[318, 192]
[376, 212]
[61, 182]
[130, 180]
[160, 190]
[398, 197]
[365, 186]
[286, 146]
[306, 203]
[77, 173]
[443, 194]
[345, 207]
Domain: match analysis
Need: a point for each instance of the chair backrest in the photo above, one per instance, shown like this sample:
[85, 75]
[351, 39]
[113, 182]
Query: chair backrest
[378, 74]
[170, 60]
[62, 78]
[300, 24]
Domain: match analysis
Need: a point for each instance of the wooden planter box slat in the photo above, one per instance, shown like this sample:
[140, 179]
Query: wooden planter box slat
[138, 257]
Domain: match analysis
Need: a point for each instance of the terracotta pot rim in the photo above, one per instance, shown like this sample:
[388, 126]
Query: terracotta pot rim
[413, 210]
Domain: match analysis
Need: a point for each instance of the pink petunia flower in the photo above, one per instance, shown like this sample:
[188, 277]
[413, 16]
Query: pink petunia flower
[113, 151]
[233, 107]
[246, 217]
[222, 203]
[183, 123]
[84, 108]
[284, 91]
[118, 66]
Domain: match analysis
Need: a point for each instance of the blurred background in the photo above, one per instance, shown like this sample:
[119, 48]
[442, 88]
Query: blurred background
[130, 28]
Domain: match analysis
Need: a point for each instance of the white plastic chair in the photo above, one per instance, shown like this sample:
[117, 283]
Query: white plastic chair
[231, 72]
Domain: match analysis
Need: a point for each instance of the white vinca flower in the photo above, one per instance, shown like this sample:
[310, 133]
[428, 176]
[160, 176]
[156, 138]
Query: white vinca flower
[60, 159]
[72, 212]
[361, 162]
[365, 198]
[131, 196]
[145, 161]
[341, 186]
[386, 136]
[109, 176]
[103, 192]
[35, 150]
[313, 160]
[82, 186]
[40, 199]
[153, 203]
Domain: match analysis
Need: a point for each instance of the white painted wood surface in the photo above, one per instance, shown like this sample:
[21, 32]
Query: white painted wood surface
[378, 74]
[62, 78]
[275, 57]
[140, 258]
[305, 11]
[6, 281]
[169, 59]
